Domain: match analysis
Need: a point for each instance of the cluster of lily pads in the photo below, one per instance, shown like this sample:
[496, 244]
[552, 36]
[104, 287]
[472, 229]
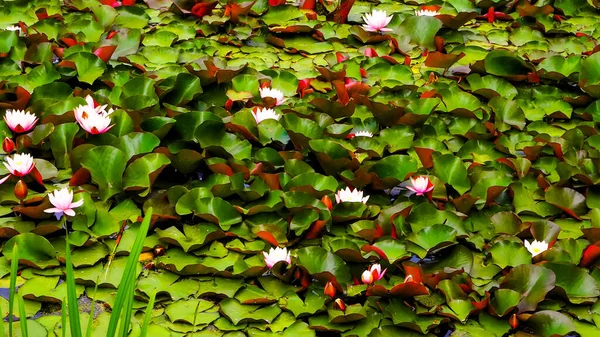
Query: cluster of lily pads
[314, 168]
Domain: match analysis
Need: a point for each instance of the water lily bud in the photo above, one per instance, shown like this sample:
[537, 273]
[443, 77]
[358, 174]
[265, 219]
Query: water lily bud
[367, 277]
[159, 250]
[327, 202]
[339, 304]
[514, 321]
[329, 290]
[8, 145]
[21, 190]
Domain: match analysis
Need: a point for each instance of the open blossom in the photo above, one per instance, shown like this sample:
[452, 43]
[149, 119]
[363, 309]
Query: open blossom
[363, 134]
[420, 185]
[536, 247]
[426, 12]
[348, 195]
[94, 120]
[20, 165]
[62, 200]
[275, 94]
[376, 21]
[276, 255]
[19, 120]
[265, 113]
[373, 274]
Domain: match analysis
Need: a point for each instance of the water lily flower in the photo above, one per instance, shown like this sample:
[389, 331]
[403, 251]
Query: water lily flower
[426, 12]
[92, 119]
[420, 185]
[15, 28]
[276, 255]
[348, 195]
[20, 165]
[275, 94]
[363, 134]
[62, 200]
[19, 120]
[373, 274]
[376, 21]
[265, 113]
[536, 247]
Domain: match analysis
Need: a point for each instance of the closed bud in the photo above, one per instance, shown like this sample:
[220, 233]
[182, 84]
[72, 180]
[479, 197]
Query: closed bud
[8, 145]
[21, 190]
[327, 202]
[339, 304]
[514, 321]
[159, 250]
[329, 290]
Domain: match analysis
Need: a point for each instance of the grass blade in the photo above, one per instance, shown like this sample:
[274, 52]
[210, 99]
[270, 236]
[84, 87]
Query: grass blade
[88, 332]
[1, 327]
[22, 316]
[72, 305]
[64, 317]
[14, 270]
[148, 315]
[195, 316]
[127, 284]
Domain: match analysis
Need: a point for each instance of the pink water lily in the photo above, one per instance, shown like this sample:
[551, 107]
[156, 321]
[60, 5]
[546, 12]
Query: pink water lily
[276, 255]
[373, 274]
[348, 195]
[19, 165]
[265, 113]
[275, 94]
[93, 119]
[376, 21]
[62, 200]
[420, 185]
[20, 121]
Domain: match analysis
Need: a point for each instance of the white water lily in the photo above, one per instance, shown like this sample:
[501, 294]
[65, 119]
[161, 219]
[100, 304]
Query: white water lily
[363, 134]
[19, 120]
[276, 94]
[92, 119]
[276, 255]
[536, 247]
[19, 165]
[265, 113]
[426, 12]
[348, 195]
[376, 21]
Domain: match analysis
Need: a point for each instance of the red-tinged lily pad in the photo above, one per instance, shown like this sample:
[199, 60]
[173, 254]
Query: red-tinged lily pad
[567, 199]
[193, 237]
[34, 250]
[575, 283]
[323, 265]
[531, 282]
[547, 323]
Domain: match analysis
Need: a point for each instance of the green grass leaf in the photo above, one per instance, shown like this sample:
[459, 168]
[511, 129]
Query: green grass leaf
[127, 285]
[71, 294]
